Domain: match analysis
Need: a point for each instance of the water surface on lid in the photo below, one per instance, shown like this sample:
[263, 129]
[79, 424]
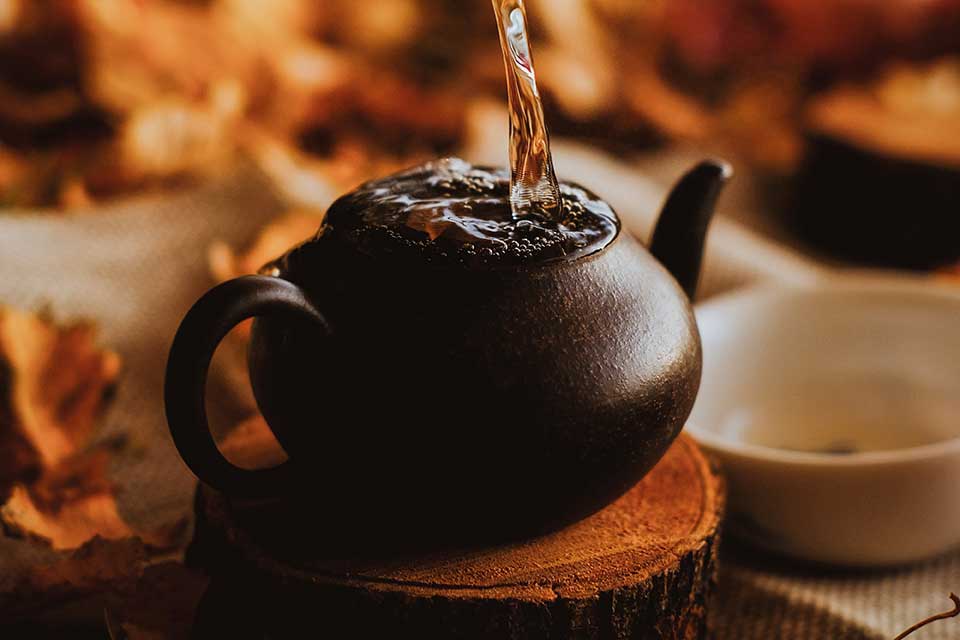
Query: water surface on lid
[449, 211]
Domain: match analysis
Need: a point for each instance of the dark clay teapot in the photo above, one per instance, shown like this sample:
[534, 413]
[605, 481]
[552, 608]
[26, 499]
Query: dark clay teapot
[431, 396]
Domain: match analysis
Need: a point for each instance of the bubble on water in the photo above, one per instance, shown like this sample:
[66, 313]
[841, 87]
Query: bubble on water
[453, 212]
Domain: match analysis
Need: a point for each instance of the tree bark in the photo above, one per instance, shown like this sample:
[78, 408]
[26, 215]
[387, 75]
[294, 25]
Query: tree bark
[644, 567]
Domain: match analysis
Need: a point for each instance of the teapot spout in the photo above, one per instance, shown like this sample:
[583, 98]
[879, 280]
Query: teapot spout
[679, 237]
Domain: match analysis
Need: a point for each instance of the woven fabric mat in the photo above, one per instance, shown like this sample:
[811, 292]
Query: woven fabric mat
[135, 267]
[761, 597]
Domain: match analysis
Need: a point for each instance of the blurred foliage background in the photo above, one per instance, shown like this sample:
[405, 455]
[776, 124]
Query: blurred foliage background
[100, 98]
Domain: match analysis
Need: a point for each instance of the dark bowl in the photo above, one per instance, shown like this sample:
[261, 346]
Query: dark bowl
[877, 208]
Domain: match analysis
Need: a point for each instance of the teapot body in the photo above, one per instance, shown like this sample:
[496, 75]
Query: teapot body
[439, 400]
[475, 402]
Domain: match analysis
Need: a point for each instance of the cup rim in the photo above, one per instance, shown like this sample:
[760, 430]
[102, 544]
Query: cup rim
[851, 282]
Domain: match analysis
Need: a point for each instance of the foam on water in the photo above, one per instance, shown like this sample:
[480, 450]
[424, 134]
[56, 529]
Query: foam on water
[449, 211]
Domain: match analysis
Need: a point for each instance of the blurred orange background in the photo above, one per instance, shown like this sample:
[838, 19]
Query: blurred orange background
[101, 98]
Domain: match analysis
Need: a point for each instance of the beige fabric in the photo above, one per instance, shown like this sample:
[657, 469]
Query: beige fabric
[741, 610]
[759, 595]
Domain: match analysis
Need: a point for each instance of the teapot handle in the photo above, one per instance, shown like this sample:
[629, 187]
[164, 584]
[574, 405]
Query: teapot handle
[202, 329]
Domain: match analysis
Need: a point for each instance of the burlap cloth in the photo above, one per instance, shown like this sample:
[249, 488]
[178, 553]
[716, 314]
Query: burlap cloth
[137, 265]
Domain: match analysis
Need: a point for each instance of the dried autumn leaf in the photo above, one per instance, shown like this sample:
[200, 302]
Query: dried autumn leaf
[67, 506]
[144, 53]
[653, 100]
[96, 562]
[9, 15]
[314, 183]
[96, 566]
[272, 241]
[140, 102]
[176, 137]
[383, 26]
[68, 527]
[54, 385]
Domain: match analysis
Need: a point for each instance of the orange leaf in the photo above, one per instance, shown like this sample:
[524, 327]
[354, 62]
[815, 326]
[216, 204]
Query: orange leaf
[70, 526]
[56, 384]
[67, 506]
[272, 242]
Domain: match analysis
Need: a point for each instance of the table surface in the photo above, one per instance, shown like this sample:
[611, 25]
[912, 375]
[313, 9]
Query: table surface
[139, 289]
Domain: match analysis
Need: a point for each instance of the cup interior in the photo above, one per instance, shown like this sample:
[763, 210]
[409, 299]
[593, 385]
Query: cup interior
[840, 371]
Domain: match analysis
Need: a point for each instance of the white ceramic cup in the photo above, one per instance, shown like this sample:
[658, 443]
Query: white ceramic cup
[835, 412]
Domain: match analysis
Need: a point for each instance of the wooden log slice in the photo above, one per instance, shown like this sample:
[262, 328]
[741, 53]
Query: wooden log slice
[643, 567]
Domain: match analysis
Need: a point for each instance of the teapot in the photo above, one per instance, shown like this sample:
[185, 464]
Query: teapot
[456, 403]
